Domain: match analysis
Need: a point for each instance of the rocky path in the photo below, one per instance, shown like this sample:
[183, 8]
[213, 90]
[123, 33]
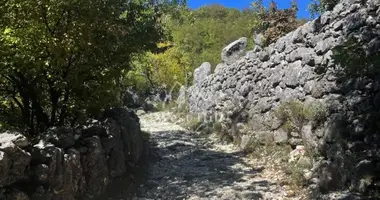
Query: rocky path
[189, 166]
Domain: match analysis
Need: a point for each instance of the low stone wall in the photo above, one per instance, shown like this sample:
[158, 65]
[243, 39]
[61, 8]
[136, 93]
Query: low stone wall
[70, 163]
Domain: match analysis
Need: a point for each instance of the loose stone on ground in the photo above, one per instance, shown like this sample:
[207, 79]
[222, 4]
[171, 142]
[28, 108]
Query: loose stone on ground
[190, 166]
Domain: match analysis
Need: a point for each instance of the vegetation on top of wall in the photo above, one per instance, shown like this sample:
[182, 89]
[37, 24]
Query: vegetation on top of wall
[317, 7]
[274, 22]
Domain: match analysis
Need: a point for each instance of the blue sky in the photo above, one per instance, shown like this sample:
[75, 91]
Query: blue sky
[240, 4]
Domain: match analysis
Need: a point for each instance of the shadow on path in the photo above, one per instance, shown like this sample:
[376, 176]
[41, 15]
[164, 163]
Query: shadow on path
[184, 166]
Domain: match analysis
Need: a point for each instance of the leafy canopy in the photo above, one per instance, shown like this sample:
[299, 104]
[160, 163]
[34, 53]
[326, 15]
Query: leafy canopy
[317, 7]
[61, 61]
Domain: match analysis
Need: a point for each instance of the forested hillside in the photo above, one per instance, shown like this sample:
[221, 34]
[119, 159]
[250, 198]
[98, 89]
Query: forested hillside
[197, 36]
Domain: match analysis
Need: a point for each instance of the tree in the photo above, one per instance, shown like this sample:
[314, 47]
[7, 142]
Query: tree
[168, 68]
[193, 37]
[272, 7]
[317, 7]
[62, 60]
[274, 22]
[209, 29]
[258, 6]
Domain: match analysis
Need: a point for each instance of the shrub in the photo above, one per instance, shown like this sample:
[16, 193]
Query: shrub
[296, 173]
[294, 114]
[275, 22]
[182, 108]
[318, 113]
[317, 7]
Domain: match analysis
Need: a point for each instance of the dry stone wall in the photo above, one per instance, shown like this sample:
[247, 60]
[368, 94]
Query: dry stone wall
[300, 66]
[70, 163]
[297, 66]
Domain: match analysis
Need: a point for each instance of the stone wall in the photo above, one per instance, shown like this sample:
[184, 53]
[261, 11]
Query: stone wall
[293, 67]
[67, 163]
[299, 66]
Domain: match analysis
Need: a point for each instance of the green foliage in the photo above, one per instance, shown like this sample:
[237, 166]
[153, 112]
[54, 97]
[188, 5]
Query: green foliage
[169, 69]
[319, 113]
[197, 36]
[167, 106]
[182, 108]
[275, 23]
[271, 151]
[296, 174]
[356, 60]
[199, 124]
[295, 114]
[192, 37]
[61, 61]
[201, 33]
[317, 7]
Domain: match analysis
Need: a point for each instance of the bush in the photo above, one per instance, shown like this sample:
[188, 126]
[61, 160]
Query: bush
[295, 114]
[296, 173]
[318, 113]
[275, 22]
[317, 7]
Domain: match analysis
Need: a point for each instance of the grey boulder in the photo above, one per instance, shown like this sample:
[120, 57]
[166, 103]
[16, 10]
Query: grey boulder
[202, 72]
[234, 51]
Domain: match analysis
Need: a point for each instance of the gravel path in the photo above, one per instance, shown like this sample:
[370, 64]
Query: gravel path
[186, 165]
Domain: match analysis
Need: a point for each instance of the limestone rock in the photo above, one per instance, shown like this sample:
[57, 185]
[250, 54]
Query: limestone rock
[181, 100]
[14, 137]
[131, 99]
[309, 138]
[233, 51]
[70, 163]
[280, 136]
[259, 39]
[95, 167]
[116, 159]
[246, 140]
[201, 73]
[14, 161]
